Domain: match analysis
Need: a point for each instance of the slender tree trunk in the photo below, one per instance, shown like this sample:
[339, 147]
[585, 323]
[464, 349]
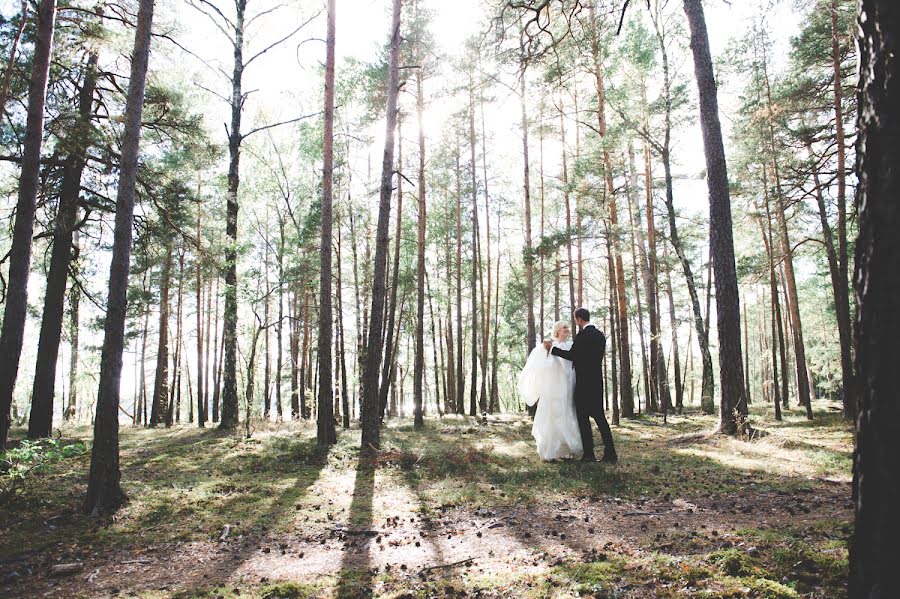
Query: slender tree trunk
[74, 301]
[217, 358]
[325, 433]
[707, 384]
[876, 472]
[803, 382]
[733, 408]
[267, 370]
[679, 385]
[567, 203]
[651, 399]
[460, 381]
[387, 380]
[619, 272]
[40, 422]
[526, 186]
[201, 373]
[839, 278]
[161, 384]
[104, 492]
[15, 310]
[294, 347]
[473, 391]
[175, 390]
[613, 329]
[342, 355]
[229, 321]
[419, 365]
[371, 436]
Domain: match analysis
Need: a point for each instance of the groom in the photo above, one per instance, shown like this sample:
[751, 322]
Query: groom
[586, 355]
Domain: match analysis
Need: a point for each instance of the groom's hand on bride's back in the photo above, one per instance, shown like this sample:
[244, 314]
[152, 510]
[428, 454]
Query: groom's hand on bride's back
[548, 344]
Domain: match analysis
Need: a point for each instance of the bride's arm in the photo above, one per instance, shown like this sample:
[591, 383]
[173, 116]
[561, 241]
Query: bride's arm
[567, 354]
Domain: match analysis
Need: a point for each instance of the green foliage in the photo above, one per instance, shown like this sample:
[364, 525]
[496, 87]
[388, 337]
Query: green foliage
[32, 458]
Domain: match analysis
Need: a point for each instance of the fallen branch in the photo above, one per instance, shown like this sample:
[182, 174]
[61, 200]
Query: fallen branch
[450, 565]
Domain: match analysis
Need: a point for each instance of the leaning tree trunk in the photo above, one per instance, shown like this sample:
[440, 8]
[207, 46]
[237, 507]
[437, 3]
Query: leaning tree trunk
[104, 492]
[706, 388]
[371, 433]
[325, 433]
[876, 476]
[15, 311]
[733, 408]
[40, 422]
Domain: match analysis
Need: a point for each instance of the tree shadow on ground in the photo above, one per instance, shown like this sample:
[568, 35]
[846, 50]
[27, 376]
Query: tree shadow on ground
[356, 577]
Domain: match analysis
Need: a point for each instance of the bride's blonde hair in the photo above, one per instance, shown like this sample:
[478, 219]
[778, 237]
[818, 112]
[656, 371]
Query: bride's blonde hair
[557, 326]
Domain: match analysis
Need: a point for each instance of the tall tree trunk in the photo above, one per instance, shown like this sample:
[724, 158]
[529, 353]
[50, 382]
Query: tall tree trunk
[279, 359]
[267, 370]
[679, 385]
[201, 372]
[217, 358]
[651, 400]
[613, 329]
[473, 391]
[526, 187]
[230, 408]
[175, 389]
[371, 433]
[387, 379]
[15, 311]
[40, 422]
[567, 203]
[161, 384]
[325, 433]
[733, 408]
[294, 348]
[104, 492]
[876, 472]
[803, 382]
[707, 384]
[74, 301]
[460, 381]
[342, 351]
[619, 271]
[839, 282]
[419, 365]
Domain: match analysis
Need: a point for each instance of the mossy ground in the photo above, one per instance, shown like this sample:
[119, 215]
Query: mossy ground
[458, 509]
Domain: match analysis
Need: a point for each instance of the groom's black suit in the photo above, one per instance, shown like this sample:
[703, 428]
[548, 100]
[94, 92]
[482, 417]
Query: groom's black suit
[586, 355]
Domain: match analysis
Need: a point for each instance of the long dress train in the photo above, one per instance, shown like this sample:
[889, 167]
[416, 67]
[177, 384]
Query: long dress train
[551, 380]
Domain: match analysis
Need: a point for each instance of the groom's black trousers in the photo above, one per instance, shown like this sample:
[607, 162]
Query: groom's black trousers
[584, 413]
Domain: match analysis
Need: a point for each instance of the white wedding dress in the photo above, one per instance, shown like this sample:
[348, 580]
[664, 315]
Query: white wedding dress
[551, 380]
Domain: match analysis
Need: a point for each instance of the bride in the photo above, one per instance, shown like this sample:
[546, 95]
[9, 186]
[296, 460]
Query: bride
[552, 380]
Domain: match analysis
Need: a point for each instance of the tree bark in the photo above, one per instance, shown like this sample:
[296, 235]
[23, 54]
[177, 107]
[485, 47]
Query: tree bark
[230, 409]
[526, 187]
[733, 408]
[161, 383]
[104, 492]
[15, 311]
[419, 360]
[876, 472]
[371, 433]
[707, 384]
[839, 279]
[74, 301]
[40, 422]
[325, 433]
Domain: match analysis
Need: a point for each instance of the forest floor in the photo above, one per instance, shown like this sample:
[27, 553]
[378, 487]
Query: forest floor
[459, 509]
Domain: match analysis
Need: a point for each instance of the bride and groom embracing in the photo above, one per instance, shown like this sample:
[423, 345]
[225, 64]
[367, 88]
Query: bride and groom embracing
[566, 377]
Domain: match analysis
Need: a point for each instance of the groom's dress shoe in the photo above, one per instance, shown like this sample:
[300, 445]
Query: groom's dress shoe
[610, 459]
[588, 458]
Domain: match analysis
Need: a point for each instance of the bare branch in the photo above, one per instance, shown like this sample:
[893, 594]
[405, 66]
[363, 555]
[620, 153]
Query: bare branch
[287, 122]
[283, 39]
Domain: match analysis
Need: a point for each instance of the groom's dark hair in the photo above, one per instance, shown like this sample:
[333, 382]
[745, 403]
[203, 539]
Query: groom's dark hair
[583, 314]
